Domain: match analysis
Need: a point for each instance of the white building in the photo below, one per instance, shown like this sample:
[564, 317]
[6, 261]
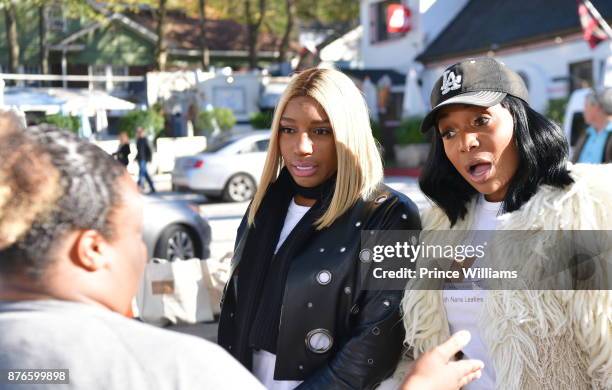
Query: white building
[540, 39]
[380, 49]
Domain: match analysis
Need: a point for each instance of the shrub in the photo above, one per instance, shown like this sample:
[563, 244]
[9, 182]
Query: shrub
[71, 123]
[261, 120]
[151, 120]
[409, 132]
[556, 110]
[224, 117]
[204, 123]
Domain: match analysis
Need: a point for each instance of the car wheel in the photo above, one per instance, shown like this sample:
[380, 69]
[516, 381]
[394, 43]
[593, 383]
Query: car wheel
[176, 243]
[239, 188]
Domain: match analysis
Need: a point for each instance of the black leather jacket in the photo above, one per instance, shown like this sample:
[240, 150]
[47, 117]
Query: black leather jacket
[364, 326]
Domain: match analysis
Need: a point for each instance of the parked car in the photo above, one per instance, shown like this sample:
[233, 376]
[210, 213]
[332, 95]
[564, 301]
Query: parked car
[573, 120]
[174, 230]
[229, 170]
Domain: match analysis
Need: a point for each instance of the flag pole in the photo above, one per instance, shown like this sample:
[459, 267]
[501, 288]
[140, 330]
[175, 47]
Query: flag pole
[600, 20]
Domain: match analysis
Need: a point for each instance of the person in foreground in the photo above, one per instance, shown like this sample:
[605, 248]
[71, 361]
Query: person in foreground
[496, 164]
[295, 310]
[71, 256]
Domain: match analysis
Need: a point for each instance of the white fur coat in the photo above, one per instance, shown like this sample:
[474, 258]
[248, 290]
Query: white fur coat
[538, 339]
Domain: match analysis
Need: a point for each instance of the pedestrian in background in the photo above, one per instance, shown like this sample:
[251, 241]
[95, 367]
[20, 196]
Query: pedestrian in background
[595, 145]
[144, 156]
[123, 152]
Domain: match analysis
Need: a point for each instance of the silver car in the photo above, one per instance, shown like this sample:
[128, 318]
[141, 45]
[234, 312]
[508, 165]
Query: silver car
[229, 170]
[174, 230]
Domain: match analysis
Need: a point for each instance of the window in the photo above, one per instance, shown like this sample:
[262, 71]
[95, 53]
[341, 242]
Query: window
[32, 69]
[213, 148]
[120, 71]
[262, 145]
[115, 70]
[249, 148]
[378, 22]
[98, 70]
[55, 18]
[581, 75]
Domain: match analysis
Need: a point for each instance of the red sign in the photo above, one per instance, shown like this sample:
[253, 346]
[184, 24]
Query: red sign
[398, 18]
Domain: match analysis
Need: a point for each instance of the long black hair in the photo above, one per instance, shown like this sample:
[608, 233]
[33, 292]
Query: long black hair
[543, 154]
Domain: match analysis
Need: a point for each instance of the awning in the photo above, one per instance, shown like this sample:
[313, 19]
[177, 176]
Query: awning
[65, 101]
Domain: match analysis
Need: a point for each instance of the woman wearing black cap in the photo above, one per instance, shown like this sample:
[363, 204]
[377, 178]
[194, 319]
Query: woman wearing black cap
[496, 164]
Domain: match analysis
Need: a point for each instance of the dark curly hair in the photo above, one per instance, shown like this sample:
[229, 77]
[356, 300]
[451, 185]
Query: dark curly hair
[89, 194]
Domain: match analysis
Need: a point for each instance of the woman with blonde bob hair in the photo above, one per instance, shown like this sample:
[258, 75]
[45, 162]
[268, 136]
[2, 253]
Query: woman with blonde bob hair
[296, 311]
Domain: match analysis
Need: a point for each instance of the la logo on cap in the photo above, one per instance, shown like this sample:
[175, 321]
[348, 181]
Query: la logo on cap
[450, 82]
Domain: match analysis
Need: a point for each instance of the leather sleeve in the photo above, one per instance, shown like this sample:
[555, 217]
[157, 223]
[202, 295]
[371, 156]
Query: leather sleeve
[373, 349]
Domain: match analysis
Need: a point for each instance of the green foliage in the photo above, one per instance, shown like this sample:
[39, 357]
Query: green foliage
[261, 120]
[225, 118]
[71, 123]
[205, 123]
[556, 109]
[376, 131]
[409, 132]
[151, 120]
[329, 11]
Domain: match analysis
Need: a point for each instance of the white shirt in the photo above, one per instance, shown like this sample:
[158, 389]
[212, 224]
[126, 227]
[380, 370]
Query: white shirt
[294, 215]
[463, 307]
[264, 361]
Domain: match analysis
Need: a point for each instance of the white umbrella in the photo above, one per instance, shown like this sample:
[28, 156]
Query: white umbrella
[30, 99]
[85, 128]
[413, 98]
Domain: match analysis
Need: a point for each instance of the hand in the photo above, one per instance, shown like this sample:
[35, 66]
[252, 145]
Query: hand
[435, 371]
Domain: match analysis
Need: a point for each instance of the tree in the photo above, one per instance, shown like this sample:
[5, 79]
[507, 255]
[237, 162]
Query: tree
[253, 23]
[42, 39]
[284, 45]
[337, 16]
[203, 41]
[12, 36]
[161, 49]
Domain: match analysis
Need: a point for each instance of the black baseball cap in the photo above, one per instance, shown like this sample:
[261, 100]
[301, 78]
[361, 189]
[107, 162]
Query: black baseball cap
[482, 82]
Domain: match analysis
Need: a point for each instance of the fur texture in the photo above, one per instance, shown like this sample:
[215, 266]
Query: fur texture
[538, 339]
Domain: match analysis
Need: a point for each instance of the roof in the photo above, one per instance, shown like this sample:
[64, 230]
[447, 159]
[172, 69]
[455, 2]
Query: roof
[485, 25]
[376, 74]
